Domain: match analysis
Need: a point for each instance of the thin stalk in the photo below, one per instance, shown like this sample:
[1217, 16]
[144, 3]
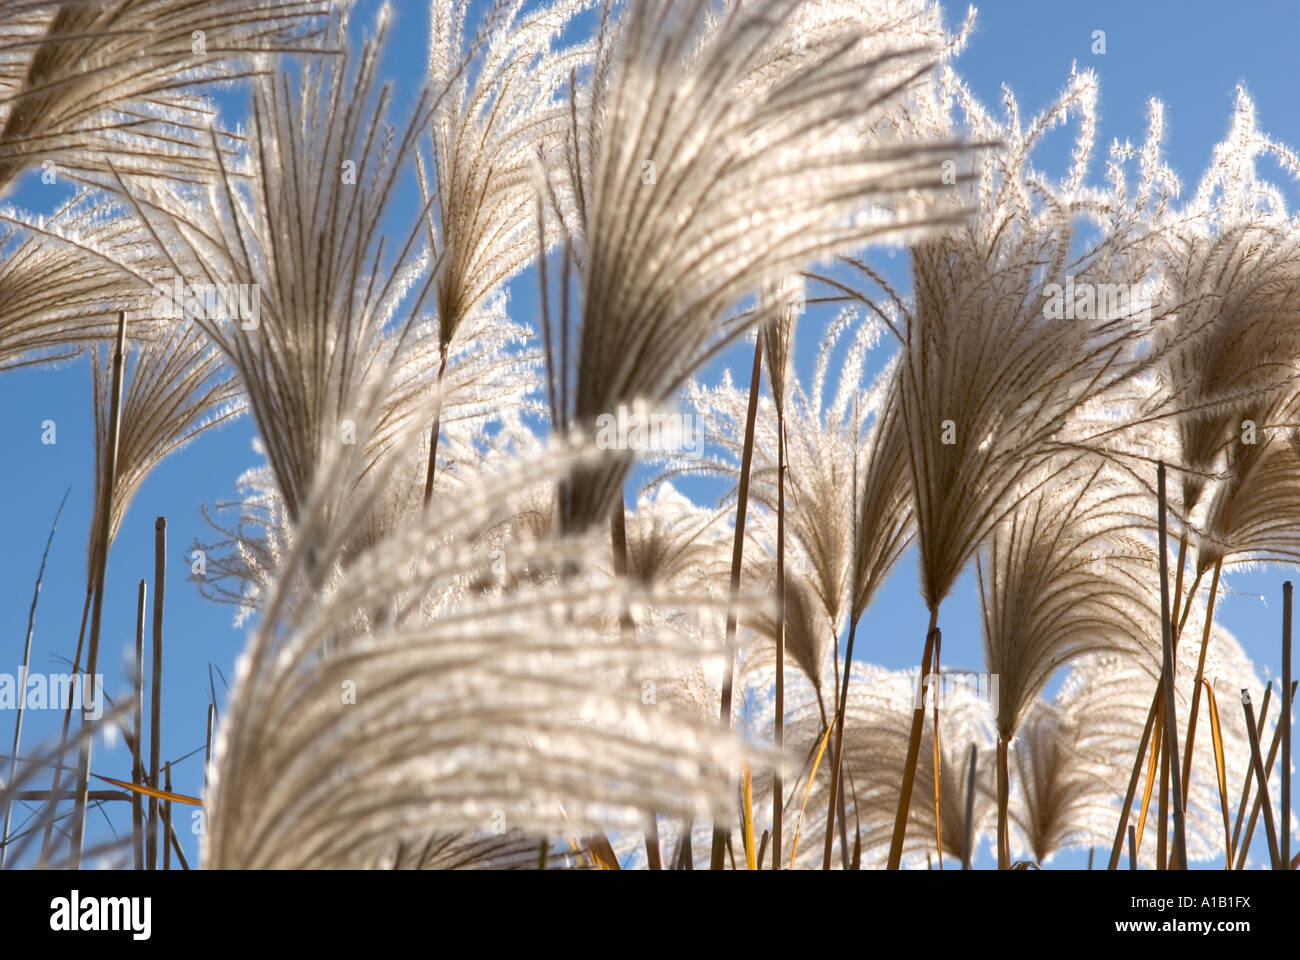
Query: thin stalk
[1162, 814]
[1157, 744]
[176, 845]
[1178, 581]
[1221, 773]
[1004, 784]
[137, 765]
[63, 730]
[1262, 775]
[684, 860]
[618, 544]
[101, 572]
[837, 760]
[913, 752]
[835, 663]
[747, 815]
[812, 776]
[968, 831]
[1284, 837]
[1268, 772]
[1117, 845]
[1167, 675]
[27, 659]
[1132, 849]
[167, 819]
[1200, 676]
[1250, 769]
[779, 738]
[737, 558]
[436, 429]
[155, 697]
[207, 746]
[938, 809]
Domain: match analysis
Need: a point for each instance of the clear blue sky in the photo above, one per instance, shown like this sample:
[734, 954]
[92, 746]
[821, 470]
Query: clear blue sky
[1189, 54]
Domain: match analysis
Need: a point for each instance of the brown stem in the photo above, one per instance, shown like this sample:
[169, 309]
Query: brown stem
[1157, 742]
[720, 835]
[913, 752]
[155, 696]
[1200, 675]
[207, 746]
[1126, 807]
[1262, 776]
[618, 538]
[968, 831]
[101, 571]
[1004, 794]
[436, 429]
[1178, 581]
[1250, 770]
[1162, 815]
[63, 731]
[27, 659]
[938, 810]
[779, 737]
[1261, 796]
[838, 759]
[1167, 674]
[1284, 838]
[137, 766]
[167, 819]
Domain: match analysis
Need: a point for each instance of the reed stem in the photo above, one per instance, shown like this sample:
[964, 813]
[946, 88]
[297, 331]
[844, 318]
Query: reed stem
[27, 660]
[137, 765]
[720, 834]
[913, 751]
[779, 733]
[155, 696]
[101, 572]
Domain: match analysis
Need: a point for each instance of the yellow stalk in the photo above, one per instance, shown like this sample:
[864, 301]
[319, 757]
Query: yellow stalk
[812, 776]
[1151, 775]
[1220, 769]
[748, 825]
[151, 791]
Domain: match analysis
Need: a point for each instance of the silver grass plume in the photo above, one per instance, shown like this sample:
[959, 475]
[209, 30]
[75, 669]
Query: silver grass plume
[1058, 800]
[989, 379]
[994, 368]
[876, 733]
[671, 542]
[487, 131]
[713, 151]
[64, 278]
[464, 711]
[1099, 716]
[1235, 379]
[1061, 577]
[299, 229]
[825, 434]
[178, 385]
[91, 84]
[809, 635]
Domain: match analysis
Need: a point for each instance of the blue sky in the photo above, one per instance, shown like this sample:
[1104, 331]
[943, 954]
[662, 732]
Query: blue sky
[1190, 54]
